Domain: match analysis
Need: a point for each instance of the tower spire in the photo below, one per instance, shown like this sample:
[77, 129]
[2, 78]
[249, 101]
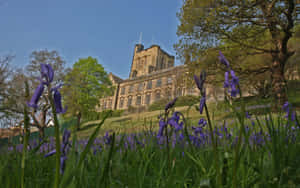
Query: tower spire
[141, 36]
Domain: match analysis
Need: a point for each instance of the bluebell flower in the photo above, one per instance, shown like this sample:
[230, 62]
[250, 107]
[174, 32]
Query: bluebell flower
[234, 79]
[200, 80]
[57, 102]
[36, 96]
[234, 91]
[47, 73]
[233, 84]
[197, 130]
[287, 107]
[107, 138]
[223, 59]
[202, 103]
[64, 150]
[174, 122]
[162, 125]
[202, 122]
[226, 82]
[248, 116]
[170, 104]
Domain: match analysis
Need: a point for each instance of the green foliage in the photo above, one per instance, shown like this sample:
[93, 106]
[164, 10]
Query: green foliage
[188, 100]
[158, 105]
[181, 101]
[242, 30]
[98, 115]
[84, 85]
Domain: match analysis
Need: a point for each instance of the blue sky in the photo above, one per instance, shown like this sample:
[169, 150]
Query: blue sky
[105, 29]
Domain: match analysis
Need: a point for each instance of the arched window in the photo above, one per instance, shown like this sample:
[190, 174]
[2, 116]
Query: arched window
[134, 73]
[157, 96]
[129, 102]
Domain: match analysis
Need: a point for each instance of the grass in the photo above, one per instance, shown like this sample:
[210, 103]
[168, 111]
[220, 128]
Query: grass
[133, 155]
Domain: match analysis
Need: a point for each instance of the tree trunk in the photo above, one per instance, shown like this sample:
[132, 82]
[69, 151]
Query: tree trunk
[78, 120]
[279, 89]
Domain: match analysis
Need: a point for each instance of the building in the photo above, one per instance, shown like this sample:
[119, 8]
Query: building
[152, 77]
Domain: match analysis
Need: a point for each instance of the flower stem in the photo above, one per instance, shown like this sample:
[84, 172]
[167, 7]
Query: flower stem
[26, 135]
[215, 146]
[57, 140]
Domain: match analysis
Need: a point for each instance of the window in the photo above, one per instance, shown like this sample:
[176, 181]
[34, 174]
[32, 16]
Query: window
[149, 84]
[158, 83]
[121, 103]
[157, 96]
[179, 92]
[169, 94]
[140, 88]
[123, 90]
[169, 81]
[134, 74]
[148, 98]
[170, 63]
[162, 63]
[131, 88]
[109, 104]
[150, 69]
[104, 105]
[138, 100]
[129, 103]
[191, 90]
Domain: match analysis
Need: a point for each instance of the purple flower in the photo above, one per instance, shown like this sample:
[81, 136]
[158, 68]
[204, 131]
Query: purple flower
[223, 59]
[64, 150]
[170, 104]
[57, 102]
[287, 108]
[63, 159]
[162, 125]
[202, 122]
[202, 103]
[47, 73]
[234, 79]
[200, 80]
[174, 122]
[248, 116]
[50, 153]
[107, 138]
[197, 130]
[226, 82]
[36, 96]
[66, 136]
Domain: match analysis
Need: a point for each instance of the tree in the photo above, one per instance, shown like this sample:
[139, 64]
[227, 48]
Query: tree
[84, 85]
[5, 75]
[248, 27]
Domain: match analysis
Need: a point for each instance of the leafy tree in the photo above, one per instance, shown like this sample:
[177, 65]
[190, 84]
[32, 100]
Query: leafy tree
[257, 28]
[84, 85]
[5, 75]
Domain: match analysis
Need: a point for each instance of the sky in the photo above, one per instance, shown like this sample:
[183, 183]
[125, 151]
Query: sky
[104, 29]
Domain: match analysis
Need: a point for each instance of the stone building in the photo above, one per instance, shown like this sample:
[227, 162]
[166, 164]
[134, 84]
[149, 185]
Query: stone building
[152, 77]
